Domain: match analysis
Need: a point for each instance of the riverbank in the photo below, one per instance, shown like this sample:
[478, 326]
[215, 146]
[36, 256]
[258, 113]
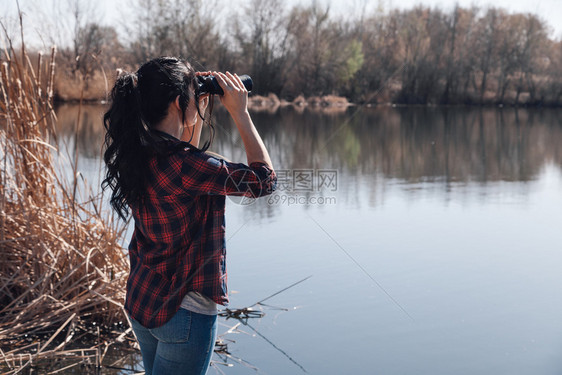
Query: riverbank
[94, 90]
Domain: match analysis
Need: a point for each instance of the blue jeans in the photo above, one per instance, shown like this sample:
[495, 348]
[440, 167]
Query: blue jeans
[184, 345]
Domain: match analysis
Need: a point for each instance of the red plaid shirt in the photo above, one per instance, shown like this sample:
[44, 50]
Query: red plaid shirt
[178, 244]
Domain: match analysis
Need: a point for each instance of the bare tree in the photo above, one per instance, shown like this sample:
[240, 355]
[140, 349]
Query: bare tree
[173, 27]
[96, 46]
[63, 23]
[507, 53]
[485, 46]
[312, 37]
[531, 44]
[261, 34]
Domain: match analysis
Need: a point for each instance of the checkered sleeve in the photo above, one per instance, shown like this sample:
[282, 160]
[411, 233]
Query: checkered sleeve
[206, 174]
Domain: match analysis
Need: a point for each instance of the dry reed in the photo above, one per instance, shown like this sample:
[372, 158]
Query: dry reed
[62, 268]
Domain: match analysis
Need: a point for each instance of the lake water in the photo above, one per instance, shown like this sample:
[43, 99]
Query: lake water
[431, 235]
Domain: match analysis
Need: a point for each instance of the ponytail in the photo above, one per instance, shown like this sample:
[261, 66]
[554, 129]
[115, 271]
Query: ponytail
[126, 135]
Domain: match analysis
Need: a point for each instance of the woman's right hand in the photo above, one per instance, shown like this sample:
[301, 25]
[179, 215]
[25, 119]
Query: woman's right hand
[235, 98]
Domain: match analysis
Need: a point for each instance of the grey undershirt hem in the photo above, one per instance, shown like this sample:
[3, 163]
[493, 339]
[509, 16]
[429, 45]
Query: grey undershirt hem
[196, 302]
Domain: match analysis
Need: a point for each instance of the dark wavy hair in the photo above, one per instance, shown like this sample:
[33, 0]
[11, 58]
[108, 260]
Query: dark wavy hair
[139, 102]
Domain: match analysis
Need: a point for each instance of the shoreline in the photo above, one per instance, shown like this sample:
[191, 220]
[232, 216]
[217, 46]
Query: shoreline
[267, 103]
[73, 90]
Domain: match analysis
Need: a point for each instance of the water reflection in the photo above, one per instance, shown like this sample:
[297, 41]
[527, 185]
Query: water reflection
[83, 124]
[411, 144]
[422, 148]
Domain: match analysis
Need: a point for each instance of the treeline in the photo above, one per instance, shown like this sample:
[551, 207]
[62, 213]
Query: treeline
[417, 56]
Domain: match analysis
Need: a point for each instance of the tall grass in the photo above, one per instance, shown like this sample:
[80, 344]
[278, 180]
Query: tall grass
[62, 267]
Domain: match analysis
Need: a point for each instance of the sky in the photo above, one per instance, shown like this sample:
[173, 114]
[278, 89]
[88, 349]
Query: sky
[550, 10]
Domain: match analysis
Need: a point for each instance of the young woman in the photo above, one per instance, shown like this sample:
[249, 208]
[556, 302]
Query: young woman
[176, 194]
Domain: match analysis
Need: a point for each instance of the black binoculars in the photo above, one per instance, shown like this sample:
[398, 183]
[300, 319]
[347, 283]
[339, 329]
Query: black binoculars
[209, 84]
